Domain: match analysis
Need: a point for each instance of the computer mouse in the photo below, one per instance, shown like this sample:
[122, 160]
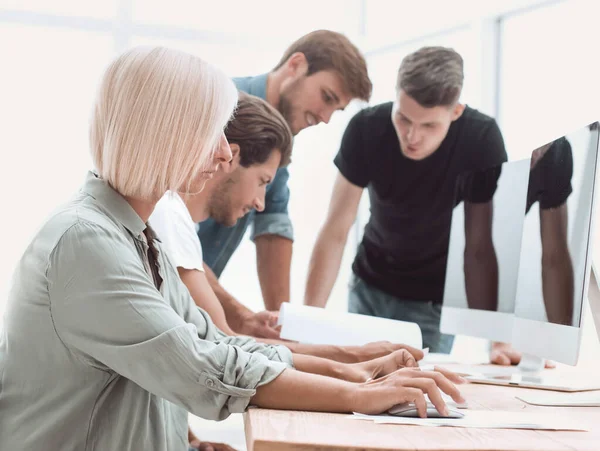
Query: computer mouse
[409, 410]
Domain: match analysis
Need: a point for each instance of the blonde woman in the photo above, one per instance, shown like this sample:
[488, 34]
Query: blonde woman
[103, 347]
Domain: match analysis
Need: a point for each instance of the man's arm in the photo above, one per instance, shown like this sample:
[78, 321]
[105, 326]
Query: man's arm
[480, 262]
[273, 235]
[557, 267]
[239, 317]
[273, 261]
[346, 354]
[204, 297]
[329, 248]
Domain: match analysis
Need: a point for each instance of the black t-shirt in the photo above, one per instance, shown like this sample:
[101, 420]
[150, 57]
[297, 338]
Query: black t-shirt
[550, 178]
[405, 243]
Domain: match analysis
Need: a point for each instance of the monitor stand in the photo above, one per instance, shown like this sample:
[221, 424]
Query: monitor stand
[530, 373]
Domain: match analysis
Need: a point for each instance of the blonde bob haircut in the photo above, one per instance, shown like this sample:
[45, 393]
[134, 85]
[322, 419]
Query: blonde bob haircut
[157, 120]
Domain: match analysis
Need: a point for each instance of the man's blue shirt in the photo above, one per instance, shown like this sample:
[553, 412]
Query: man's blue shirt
[220, 242]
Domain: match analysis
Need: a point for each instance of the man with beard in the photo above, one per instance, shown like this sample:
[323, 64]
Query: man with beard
[261, 144]
[318, 74]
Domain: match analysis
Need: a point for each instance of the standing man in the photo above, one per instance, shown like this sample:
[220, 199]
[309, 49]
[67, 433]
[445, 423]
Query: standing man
[317, 75]
[409, 154]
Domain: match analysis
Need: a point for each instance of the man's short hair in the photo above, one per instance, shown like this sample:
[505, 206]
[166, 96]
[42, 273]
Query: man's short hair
[432, 76]
[259, 130]
[329, 50]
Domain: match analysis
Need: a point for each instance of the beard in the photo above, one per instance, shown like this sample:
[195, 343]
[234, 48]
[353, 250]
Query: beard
[286, 105]
[285, 108]
[219, 205]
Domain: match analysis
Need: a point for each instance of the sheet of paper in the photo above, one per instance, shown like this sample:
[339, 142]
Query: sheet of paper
[320, 326]
[486, 419]
[580, 399]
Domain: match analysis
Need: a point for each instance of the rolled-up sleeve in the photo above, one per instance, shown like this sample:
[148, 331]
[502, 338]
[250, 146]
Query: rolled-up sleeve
[108, 313]
[209, 331]
[274, 219]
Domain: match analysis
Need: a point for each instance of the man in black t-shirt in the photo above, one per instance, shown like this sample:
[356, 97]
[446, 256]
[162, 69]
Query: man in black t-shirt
[409, 154]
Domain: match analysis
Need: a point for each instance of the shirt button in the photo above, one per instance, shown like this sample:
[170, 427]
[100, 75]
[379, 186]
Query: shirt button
[210, 383]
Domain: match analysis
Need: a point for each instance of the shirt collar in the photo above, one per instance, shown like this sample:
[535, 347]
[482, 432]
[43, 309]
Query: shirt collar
[114, 203]
[258, 86]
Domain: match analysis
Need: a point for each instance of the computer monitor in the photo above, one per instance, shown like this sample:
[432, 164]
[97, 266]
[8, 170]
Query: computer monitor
[542, 253]
[554, 268]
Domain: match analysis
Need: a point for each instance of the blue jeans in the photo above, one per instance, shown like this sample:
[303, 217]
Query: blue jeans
[368, 300]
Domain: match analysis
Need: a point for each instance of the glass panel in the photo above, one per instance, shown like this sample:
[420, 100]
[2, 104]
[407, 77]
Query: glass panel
[235, 60]
[402, 19]
[548, 74]
[87, 8]
[266, 17]
[48, 83]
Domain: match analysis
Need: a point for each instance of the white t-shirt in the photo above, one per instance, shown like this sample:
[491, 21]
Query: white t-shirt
[176, 230]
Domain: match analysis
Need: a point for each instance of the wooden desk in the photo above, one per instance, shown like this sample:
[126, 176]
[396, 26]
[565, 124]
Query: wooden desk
[275, 430]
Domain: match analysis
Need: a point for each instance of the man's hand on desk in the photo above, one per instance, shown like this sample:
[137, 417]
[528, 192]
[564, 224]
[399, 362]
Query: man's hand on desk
[378, 349]
[262, 324]
[505, 354]
[382, 366]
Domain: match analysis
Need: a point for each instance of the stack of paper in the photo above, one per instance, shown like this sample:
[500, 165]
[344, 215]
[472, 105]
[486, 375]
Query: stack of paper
[319, 326]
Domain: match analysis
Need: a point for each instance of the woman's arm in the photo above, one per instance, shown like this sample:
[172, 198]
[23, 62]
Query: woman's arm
[294, 390]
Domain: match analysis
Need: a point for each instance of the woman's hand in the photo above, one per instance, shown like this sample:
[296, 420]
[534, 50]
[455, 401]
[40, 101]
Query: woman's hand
[405, 385]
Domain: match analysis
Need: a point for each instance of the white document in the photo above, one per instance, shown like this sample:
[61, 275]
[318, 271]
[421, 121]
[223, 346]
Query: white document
[486, 419]
[316, 325]
[580, 399]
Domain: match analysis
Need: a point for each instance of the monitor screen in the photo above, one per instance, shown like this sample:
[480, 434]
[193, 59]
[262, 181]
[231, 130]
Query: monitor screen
[556, 229]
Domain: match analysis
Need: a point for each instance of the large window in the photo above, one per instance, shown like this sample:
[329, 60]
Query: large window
[548, 73]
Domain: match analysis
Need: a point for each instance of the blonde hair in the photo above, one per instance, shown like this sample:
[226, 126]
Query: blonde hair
[157, 120]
